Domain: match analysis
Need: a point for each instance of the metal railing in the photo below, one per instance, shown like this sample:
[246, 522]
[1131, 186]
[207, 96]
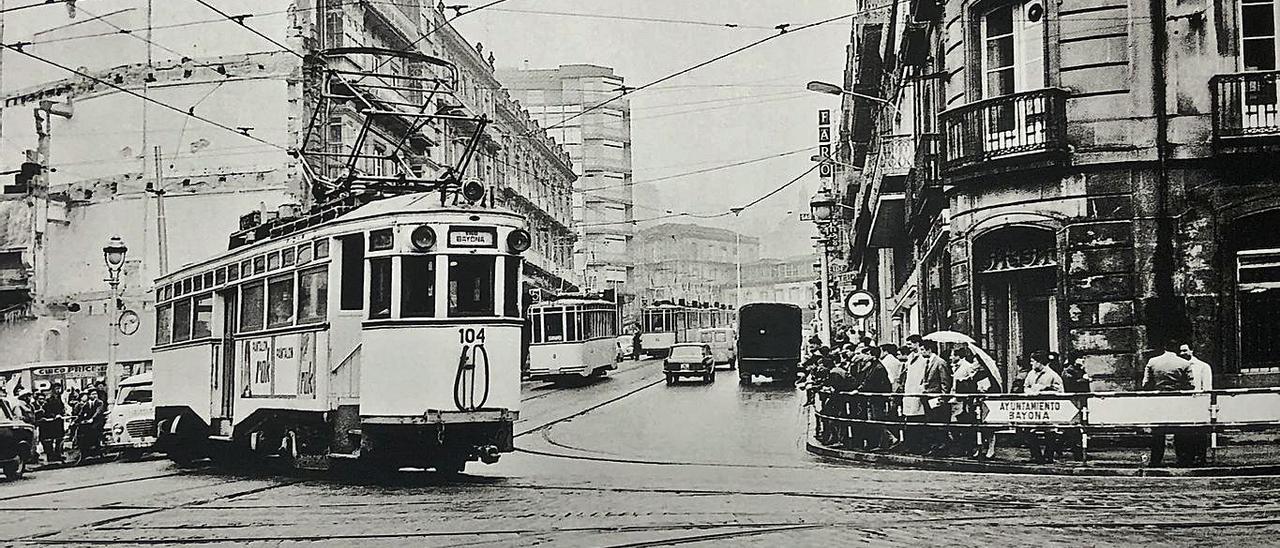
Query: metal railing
[1009, 125]
[1246, 104]
[1201, 412]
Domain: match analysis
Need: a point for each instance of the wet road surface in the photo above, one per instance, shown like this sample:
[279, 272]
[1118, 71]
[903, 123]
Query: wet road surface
[629, 461]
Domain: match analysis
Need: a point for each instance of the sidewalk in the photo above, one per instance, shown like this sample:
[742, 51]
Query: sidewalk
[1237, 456]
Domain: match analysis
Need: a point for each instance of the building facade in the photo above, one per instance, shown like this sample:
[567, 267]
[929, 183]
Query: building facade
[163, 125]
[677, 261]
[1091, 179]
[599, 143]
[791, 280]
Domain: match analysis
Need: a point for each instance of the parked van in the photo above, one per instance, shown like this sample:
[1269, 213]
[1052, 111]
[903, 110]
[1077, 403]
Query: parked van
[131, 424]
[723, 342]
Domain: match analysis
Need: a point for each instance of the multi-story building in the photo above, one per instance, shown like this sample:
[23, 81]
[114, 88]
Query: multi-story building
[1090, 179]
[598, 139]
[138, 104]
[790, 280]
[677, 261]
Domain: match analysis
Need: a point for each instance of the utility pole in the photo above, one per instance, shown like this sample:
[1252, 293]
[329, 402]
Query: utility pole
[162, 230]
[824, 292]
[737, 255]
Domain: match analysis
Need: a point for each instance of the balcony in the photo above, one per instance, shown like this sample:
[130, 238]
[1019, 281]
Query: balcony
[1246, 111]
[924, 186]
[897, 154]
[1007, 133]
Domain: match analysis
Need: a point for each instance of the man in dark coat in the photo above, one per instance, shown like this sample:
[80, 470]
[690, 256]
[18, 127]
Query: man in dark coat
[937, 380]
[1168, 372]
[52, 427]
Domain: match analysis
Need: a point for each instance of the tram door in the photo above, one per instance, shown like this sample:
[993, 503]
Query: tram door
[223, 397]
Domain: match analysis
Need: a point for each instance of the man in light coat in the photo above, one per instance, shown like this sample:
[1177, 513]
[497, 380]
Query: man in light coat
[937, 380]
[1201, 381]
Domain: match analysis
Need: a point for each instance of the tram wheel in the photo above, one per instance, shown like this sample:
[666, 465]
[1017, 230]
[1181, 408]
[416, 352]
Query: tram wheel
[670, 380]
[14, 470]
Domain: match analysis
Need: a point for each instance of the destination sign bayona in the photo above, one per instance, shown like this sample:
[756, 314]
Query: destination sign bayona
[1013, 411]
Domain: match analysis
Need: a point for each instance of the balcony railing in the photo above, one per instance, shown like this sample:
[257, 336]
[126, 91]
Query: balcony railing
[1016, 125]
[1246, 104]
[897, 154]
[925, 182]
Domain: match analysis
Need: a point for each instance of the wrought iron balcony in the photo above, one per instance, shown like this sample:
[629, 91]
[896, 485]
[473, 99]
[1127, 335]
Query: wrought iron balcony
[924, 185]
[1246, 108]
[1019, 131]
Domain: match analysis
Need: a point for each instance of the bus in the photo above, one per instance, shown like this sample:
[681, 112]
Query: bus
[665, 323]
[572, 338]
[371, 333]
[769, 341]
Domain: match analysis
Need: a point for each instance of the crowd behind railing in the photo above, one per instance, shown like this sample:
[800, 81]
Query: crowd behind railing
[61, 416]
[918, 400]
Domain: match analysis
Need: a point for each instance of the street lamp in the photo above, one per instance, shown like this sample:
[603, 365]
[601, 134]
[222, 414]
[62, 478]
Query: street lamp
[832, 89]
[822, 206]
[113, 254]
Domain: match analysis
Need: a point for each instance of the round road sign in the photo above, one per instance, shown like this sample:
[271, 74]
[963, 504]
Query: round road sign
[860, 304]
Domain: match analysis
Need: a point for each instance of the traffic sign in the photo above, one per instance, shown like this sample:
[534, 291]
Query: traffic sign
[1053, 410]
[860, 304]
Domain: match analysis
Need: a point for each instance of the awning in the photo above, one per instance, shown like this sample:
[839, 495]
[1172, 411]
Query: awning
[888, 221]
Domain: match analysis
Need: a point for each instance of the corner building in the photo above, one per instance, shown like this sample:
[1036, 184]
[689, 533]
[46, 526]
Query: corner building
[1088, 177]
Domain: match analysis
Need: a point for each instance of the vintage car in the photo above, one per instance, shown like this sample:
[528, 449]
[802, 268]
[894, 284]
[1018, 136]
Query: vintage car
[690, 360]
[724, 344]
[131, 426]
[17, 440]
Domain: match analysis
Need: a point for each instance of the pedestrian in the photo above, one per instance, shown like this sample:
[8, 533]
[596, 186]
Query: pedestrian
[91, 419]
[1169, 372]
[101, 388]
[892, 365]
[1041, 379]
[52, 425]
[937, 380]
[1074, 381]
[1054, 362]
[635, 346]
[1201, 381]
[872, 379]
[968, 376]
[913, 406]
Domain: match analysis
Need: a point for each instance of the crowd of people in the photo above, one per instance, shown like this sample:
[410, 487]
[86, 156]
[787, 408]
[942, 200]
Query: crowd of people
[78, 416]
[924, 409]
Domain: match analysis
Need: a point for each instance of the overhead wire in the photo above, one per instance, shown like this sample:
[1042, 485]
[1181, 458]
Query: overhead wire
[634, 19]
[239, 20]
[686, 70]
[705, 170]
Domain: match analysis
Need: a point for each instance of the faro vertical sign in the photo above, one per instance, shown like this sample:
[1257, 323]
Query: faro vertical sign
[825, 169]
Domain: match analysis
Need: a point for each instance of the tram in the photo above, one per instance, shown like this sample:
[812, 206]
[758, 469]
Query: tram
[572, 338]
[386, 333]
[665, 323]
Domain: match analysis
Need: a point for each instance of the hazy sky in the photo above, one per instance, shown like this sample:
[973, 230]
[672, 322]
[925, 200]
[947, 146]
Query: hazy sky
[747, 106]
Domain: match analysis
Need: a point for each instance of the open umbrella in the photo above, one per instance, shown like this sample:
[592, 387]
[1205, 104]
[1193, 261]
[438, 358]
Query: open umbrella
[949, 337]
[990, 363]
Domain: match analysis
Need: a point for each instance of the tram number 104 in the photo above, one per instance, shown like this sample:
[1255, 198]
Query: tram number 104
[469, 335]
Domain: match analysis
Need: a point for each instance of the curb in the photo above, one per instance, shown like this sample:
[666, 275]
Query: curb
[990, 467]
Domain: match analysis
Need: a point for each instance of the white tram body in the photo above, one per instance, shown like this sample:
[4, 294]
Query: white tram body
[390, 333]
[572, 337]
[665, 324]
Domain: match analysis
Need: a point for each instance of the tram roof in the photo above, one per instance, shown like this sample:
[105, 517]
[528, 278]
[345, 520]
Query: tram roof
[408, 204]
[571, 302]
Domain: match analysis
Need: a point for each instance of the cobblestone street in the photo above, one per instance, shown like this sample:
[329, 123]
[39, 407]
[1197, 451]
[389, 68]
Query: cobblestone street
[631, 462]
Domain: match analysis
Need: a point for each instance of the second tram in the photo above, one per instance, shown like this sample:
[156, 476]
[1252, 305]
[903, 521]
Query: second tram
[572, 338]
[664, 324]
[386, 334]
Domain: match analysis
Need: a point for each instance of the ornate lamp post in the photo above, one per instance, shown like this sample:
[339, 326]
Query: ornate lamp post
[113, 254]
[821, 207]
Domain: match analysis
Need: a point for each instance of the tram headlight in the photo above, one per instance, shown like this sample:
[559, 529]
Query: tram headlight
[473, 191]
[423, 238]
[518, 241]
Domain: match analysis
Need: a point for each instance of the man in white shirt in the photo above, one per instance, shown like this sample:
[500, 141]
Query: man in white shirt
[1201, 373]
[891, 363]
[1201, 381]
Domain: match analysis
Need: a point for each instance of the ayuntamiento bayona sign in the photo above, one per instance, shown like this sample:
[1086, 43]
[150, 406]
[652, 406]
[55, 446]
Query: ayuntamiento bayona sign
[1033, 411]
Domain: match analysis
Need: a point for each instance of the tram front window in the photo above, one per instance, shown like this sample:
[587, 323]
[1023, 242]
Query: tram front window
[471, 280]
[553, 326]
[418, 287]
[380, 288]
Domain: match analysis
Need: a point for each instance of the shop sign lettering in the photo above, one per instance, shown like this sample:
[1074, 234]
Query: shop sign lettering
[1006, 260]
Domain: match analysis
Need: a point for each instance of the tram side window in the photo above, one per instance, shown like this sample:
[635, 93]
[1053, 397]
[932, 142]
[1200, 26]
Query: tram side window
[471, 281]
[182, 320]
[313, 295]
[203, 315]
[418, 287]
[352, 297]
[380, 288]
[164, 324]
[280, 301]
[572, 321]
[535, 327]
[553, 326]
[252, 305]
[588, 325]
